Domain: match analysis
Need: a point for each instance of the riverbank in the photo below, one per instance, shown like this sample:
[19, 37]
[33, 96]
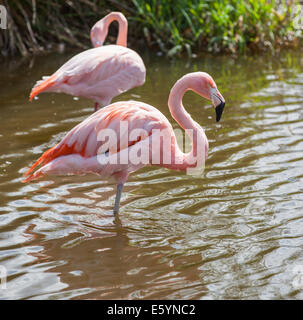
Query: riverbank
[169, 27]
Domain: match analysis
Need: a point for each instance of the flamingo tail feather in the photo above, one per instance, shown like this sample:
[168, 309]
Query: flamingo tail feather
[44, 159]
[41, 86]
[33, 176]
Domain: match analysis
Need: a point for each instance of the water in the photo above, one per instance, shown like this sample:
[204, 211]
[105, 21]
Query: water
[234, 233]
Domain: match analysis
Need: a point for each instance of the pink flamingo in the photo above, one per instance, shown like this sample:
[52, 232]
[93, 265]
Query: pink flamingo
[100, 73]
[80, 150]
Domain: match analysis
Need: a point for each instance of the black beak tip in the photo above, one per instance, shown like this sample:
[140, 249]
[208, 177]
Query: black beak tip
[219, 111]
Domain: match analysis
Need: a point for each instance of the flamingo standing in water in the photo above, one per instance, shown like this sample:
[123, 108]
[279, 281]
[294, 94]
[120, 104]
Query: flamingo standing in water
[82, 152]
[100, 73]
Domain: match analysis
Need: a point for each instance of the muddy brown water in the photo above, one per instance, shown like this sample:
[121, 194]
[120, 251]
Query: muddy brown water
[236, 232]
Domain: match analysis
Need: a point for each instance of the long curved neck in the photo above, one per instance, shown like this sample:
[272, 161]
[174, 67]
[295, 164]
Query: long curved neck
[100, 29]
[176, 107]
[122, 33]
[183, 118]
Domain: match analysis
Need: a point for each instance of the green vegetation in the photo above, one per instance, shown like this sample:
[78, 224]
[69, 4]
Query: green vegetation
[171, 26]
[216, 25]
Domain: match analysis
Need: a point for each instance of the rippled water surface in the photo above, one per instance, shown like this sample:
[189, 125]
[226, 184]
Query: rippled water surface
[234, 233]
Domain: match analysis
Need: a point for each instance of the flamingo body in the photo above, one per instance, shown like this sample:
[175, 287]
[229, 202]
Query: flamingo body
[100, 73]
[77, 153]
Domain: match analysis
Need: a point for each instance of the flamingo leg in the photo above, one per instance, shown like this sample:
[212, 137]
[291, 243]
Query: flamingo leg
[118, 197]
[96, 106]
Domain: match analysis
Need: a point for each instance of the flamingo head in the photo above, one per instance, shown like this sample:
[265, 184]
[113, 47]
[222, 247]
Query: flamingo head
[98, 33]
[205, 86]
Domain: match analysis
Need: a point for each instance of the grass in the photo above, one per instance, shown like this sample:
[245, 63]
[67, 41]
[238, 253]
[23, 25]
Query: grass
[170, 26]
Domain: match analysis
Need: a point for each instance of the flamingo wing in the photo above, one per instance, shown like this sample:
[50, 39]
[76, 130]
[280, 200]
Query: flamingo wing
[96, 73]
[83, 142]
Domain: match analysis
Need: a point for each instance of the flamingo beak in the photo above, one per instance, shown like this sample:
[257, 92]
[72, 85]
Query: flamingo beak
[218, 101]
[219, 110]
